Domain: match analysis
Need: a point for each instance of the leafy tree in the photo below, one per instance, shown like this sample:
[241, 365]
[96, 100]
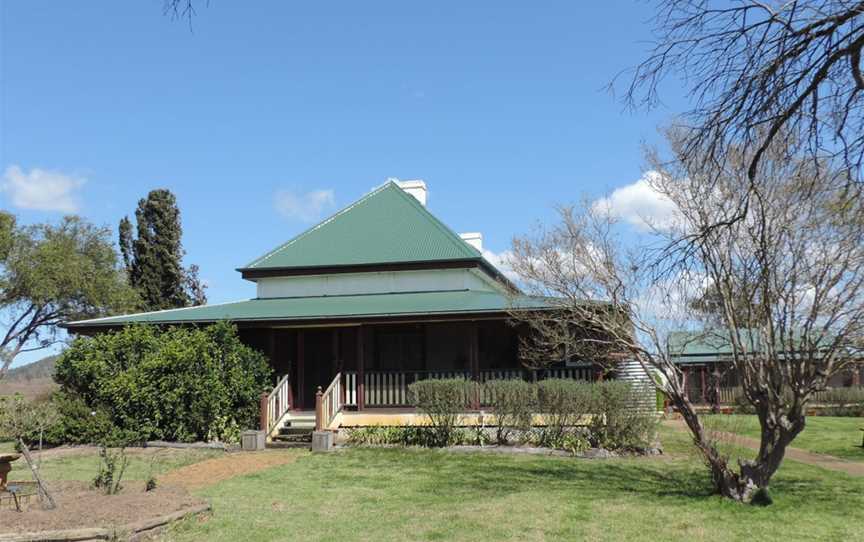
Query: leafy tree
[50, 274]
[154, 258]
[180, 384]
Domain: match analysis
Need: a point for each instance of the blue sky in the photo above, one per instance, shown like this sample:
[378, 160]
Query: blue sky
[266, 116]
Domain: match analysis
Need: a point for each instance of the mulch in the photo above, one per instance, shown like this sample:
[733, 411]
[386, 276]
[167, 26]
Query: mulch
[213, 471]
[78, 505]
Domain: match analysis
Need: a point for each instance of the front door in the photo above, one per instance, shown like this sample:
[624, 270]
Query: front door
[318, 364]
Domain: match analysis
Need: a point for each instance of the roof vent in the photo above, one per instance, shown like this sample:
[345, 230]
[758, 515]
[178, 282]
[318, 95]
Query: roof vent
[416, 188]
[475, 239]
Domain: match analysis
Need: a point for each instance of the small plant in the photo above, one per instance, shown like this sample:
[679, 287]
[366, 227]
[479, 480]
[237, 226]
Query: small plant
[514, 403]
[150, 484]
[112, 467]
[381, 435]
[442, 401]
[563, 403]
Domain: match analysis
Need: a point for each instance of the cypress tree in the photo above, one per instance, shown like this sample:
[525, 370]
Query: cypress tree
[154, 258]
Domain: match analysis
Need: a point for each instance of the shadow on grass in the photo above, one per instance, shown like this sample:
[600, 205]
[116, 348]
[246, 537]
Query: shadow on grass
[441, 472]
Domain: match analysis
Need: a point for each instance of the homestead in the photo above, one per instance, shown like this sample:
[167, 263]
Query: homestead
[705, 356]
[378, 296]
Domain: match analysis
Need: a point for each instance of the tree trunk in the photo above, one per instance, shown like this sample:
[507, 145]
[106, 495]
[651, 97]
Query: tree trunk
[777, 432]
[44, 495]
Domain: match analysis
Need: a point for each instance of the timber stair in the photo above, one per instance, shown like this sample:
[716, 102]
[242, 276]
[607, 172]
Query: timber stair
[295, 431]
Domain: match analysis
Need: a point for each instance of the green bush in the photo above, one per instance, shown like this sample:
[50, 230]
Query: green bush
[391, 435]
[442, 401]
[563, 404]
[571, 439]
[79, 423]
[178, 384]
[618, 423]
[514, 403]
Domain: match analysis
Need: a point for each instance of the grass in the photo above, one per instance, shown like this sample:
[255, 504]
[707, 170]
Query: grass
[837, 436]
[398, 494]
[415, 494]
[84, 465]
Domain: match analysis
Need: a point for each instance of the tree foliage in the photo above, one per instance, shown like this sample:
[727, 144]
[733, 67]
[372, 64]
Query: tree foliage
[51, 274]
[153, 258]
[179, 384]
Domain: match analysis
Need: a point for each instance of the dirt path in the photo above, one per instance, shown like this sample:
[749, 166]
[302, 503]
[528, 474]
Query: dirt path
[825, 461]
[213, 471]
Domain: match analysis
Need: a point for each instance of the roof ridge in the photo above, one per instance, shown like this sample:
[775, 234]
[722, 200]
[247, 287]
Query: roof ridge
[175, 309]
[439, 224]
[327, 220]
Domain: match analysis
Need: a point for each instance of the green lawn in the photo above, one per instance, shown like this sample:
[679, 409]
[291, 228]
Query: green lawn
[84, 466]
[396, 494]
[413, 494]
[823, 434]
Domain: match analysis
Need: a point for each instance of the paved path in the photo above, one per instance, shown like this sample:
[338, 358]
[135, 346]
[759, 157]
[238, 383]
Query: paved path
[853, 468]
[213, 471]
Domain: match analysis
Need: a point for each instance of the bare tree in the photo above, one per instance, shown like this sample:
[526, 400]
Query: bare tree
[789, 277]
[762, 73]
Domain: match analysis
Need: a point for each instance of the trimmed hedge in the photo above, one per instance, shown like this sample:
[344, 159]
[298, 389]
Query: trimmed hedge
[514, 402]
[564, 404]
[442, 401]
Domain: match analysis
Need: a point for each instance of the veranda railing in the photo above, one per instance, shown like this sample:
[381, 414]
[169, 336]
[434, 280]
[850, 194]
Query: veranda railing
[390, 388]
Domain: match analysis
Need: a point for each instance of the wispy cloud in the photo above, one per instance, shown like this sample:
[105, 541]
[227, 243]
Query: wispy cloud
[640, 204]
[501, 260]
[306, 207]
[41, 190]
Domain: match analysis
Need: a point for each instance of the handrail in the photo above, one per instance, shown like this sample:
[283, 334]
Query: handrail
[328, 403]
[278, 402]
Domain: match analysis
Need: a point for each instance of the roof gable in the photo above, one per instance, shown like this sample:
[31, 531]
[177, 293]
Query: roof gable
[386, 226]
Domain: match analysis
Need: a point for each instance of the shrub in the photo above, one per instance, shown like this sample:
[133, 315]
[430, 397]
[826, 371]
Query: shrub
[514, 402]
[441, 401]
[563, 404]
[383, 435]
[179, 384]
[618, 422]
[30, 421]
[390, 435]
[572, 439]
[112, 467]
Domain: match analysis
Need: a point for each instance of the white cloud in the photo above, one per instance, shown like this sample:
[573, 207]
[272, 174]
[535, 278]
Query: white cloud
[306, 207]
[41, 190]
[501, 260]
[639, 204]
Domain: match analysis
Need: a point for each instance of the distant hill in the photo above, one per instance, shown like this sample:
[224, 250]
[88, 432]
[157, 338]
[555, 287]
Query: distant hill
[33, 381]
[43, 368]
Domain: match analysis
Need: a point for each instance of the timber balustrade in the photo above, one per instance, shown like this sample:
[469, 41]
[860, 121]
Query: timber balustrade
[276, 403]
[390, 388]
[329, 403]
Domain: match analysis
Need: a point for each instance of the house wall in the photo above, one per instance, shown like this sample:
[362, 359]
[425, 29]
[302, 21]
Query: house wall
[375, 283]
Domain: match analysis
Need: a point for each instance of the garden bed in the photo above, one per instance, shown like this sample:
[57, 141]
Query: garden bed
[79, 507]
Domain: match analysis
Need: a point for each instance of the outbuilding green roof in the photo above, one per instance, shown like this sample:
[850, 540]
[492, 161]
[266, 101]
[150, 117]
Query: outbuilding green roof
[451, 302]
[387, 226]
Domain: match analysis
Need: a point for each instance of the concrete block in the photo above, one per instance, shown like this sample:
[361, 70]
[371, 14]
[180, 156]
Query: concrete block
[252, 440]
[322, 441]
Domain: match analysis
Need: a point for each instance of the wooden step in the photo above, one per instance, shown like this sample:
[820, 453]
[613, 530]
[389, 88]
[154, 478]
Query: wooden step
[296, 430]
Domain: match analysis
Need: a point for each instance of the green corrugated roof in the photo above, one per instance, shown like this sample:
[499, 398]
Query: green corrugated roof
[328, 307]
[713, 345]
[387, 225]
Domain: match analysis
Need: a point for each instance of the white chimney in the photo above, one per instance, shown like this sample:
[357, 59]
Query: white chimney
[475, 239]
[416, 188]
